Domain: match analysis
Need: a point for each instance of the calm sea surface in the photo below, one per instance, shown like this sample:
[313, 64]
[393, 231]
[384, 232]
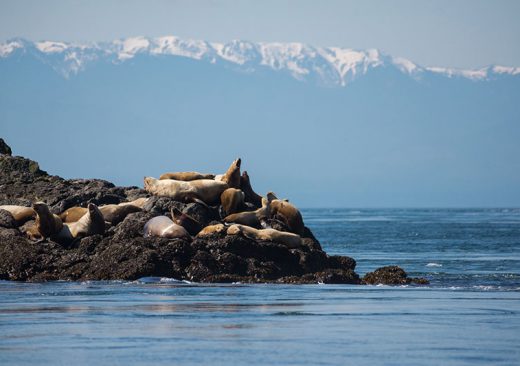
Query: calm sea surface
[470, 314]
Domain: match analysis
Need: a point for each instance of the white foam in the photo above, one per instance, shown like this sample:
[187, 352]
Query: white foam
[433, 264]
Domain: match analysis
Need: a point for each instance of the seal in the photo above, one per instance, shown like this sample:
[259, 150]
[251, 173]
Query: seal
[191, 225]
[288, 239]
[232, 175]
[232, 201]
[207, 190]
[251, 196]
[186, 176]
[139, 202]
[47, 223]
[112, 213]
[287, 213]
[31, 231]
[251, 218]
[73, 214]
[91, 223]
[164, 227]
[211, 230]
[20, 214]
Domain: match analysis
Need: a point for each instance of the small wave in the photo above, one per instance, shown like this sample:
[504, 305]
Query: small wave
[433, 264]
[160, 280]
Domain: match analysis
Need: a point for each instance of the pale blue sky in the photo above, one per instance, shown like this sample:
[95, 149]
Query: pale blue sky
[454, 33]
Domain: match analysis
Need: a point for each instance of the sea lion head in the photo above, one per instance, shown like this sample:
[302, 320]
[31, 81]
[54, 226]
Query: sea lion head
[41, 208]
[271, 196]
[97, 220]
[237, 163]
[148, 182]
[232, 176]
[234, 230]
[93, 209]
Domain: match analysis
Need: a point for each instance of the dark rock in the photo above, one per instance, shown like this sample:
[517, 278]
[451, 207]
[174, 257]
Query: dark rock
[391, 275]
[162, 205]
[133, 193]
[123, 253]
[313, 261]
[346, 276]
[4, 148]
[203, 214]
[6, 219]
[341, 262]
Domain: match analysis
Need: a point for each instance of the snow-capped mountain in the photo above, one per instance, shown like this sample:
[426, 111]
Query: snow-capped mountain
[342, 127]
[332, 66]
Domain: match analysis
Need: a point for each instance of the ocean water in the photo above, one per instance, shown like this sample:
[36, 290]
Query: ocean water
[469, 315]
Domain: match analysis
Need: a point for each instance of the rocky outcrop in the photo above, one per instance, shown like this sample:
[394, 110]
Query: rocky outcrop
[123, 253]
[4, 148]
[391, 275]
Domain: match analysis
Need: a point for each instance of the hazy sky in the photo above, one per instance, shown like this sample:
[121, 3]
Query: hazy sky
[455, 33]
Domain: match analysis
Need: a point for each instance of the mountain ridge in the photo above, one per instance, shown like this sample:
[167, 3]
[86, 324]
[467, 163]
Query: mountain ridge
[331, 66]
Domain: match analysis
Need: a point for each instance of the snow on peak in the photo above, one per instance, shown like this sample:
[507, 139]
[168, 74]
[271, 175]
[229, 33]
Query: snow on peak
[405, 65]
[238, 52]
[51, 47]
[479, 74]
[7, 48]
[129, 47]
[506, 70]
[171, 45]
[326, 65]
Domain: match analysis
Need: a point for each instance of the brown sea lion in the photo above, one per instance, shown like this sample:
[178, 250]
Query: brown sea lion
[207, 190]
[73, 214]
[289, 239]
[47, 223]
[31, 231]
[287, 213]
[186, 176]
[251, 218]
[112, 213]
[251, 196]
[20, 214]
[164, 227]
[232, 201]
[210, 230]
[191, 225]
[91, 223]
[232, 175]
[139, 202]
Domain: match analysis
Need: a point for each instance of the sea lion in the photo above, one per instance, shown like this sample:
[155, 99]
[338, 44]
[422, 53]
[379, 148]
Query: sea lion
[31, 231]
[47, 223]
[73, 214]
[191, 225]
[20, 214]
[232, 201]
[91, 223]
[288, 239]
[287, 212]
[164, 227]
[207, 190]
[232, 175]
[139, 202]
[251, 218]
[251, 196]
[210, 230]
[186, 176]
[112, 213]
